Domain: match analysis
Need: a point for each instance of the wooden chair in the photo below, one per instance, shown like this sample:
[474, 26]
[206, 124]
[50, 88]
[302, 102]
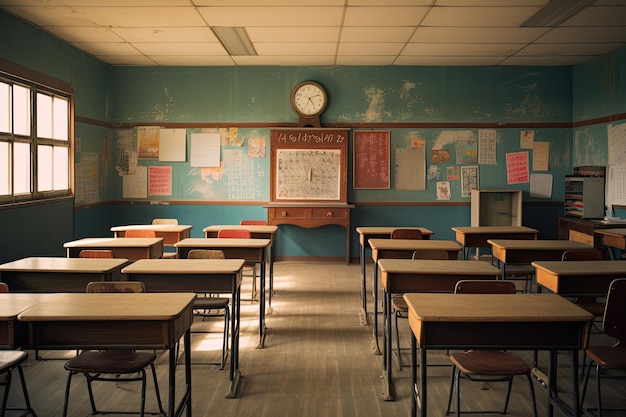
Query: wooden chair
[609, 357]
[4, 287]
[10, 360]
[109, 365]
[96, 253]
[139, 233]
[211, 305]
[399, 307]
[165, 221]
[487, 365]
[591, 304]
[415, 234]
[241, 234]
[253, 222]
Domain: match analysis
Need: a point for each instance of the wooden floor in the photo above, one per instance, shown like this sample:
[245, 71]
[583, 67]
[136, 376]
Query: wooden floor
[318, 362]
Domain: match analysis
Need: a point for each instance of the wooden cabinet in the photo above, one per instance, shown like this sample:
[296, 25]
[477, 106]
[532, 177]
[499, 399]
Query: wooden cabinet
[496, 208]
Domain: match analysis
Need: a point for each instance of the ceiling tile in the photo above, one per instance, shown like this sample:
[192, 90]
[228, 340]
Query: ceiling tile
[85, 34]
[599, 16]
[166, 34]
[477, 35]
[189, 48]
[451, 49]
[107, 48]
[376, 34]
[384, 16]
[478, 16]
[272, 16]
[287, 48]
[285, 60]
[195, 60]
[447, 60]
[584, 35]
[293, 34]
[369, 48]
[364, 60]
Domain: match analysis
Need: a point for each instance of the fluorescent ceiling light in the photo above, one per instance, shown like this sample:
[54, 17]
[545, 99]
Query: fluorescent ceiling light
[235, 40]
[556, 12]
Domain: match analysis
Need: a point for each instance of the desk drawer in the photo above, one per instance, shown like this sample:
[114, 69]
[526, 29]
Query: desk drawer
[329, 213]
[581, 237]
[289, 212]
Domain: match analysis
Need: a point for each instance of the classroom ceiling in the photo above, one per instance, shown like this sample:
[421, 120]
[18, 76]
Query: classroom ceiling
[333, 32]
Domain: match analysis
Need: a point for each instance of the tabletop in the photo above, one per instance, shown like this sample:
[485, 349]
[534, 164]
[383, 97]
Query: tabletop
[12, 304]
[258, 228]
[184, 266]
[380, 230]
[490, 230]
[109, 306]
[222, 243]
[574, 268]
[58, 264]
[437, 267]
[113, 242]
[540, 244]
[155, 227]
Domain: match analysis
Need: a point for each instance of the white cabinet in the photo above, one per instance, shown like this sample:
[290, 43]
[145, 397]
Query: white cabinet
[584, 197]
[496, 208]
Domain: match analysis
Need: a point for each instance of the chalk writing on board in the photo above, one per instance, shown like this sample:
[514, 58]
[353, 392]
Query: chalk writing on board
[303, 174]
[310, 137]
[371, 159]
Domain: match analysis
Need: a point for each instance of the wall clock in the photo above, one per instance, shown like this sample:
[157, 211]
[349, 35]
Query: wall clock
[309, 100]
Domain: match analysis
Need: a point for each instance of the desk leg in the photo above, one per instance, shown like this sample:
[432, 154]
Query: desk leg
[262, 308]
[414, 390]
[387, 346]
[235, 325]
[364, 318]
[271, 291]
[185, 403]
[375, 291]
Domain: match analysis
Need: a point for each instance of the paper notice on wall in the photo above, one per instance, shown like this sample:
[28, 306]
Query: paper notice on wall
[541, 185]
[205, 149]
[517, 171]
[541, 156]
[173, 145]
[135, 185]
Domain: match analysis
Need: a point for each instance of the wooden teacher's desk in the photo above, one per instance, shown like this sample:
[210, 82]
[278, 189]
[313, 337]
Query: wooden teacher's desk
[514, 251]
[171, 233]
[402, 249]
[421, 275]
[117, 321]
[257, 231]
[478, 236]
[578, 278]
[14, 334]
[49, 274]
[253, 251]
[129, 248]
[376, 232]
[199, 276]
[484, 321]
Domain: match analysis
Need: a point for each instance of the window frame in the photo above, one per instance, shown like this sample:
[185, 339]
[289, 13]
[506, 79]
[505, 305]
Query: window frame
[38, 83]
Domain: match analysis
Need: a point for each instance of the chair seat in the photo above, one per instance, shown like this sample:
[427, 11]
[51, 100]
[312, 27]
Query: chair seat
[10, 358]
[210, 303]
[608, 357]
[110, 362]
[398, 303]
[489, 362]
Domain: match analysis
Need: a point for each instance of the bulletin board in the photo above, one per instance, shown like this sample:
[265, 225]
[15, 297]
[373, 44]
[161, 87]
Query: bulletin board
[309, 165]
[371, 160]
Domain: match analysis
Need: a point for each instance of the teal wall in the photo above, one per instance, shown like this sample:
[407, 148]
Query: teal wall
[430, 102]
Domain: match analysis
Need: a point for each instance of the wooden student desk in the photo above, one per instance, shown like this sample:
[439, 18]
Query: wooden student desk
[578, 278]
[514, 251]
[117, 321]
[402, 249]
[478, 236]
[129, 248]
[14, 334]
[199, 276]
[257, 231]
[253, 251]
[421, 275]
[612, 238]
[511, 322]
[48, 274]
[171, 233]
[376, 232]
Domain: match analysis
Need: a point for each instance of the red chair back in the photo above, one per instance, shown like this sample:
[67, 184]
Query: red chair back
[140, 233]
[96, 253]
[234, 234]
[253, 222]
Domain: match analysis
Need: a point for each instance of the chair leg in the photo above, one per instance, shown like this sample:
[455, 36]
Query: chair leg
[67, 393]
[225, 339]
[532, 394]
[7, 387]
[598, 390]
[508, 395]
[585, 382]
[156, 389]
[452, 377]
[457, 376]
[90, 391]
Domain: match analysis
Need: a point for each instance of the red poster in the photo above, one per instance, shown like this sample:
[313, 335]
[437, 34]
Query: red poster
[160, 180]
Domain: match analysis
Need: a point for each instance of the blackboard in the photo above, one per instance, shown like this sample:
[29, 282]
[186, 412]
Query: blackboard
[309, 165]
[371, 159]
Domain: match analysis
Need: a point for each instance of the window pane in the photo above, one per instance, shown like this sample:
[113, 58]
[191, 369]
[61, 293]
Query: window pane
[21, 111]
[61, 168]
[44, 168]
[44, 116]
[5, 169]
[60, 122]
[5, 108]
[21, 168]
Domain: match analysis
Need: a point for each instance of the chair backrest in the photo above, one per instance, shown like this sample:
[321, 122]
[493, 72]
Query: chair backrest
[96, 253]
[406, 234]
[582, 255]
[234, 233]
[614, 322]
[205, 254]
[116, 286]
[430, 254]
[253, 222]
[478, 286]
[4, 287]
[140, 233]
[165, 221]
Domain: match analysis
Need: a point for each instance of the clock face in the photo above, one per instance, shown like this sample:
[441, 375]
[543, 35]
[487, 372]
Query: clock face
[309, 99]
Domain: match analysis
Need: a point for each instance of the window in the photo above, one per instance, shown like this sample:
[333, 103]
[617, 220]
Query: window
[35, 126]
